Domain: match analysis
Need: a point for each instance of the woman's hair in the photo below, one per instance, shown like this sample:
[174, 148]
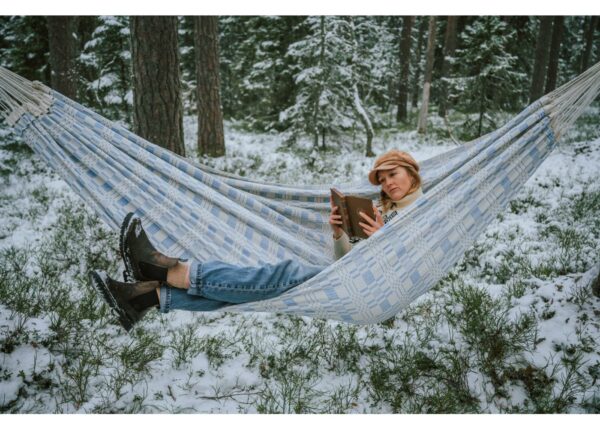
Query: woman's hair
[392, 159]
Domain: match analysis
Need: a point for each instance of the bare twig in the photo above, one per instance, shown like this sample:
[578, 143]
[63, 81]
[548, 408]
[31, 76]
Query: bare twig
[447, 124]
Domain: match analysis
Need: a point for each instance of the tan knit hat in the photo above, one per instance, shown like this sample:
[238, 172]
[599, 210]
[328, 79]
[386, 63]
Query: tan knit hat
[389, 160]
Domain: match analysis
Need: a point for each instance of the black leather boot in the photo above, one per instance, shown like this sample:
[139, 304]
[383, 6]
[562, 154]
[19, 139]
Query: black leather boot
[142, 261]
[131, 301]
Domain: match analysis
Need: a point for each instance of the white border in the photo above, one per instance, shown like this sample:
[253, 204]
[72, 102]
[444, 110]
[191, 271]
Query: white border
[302, 7]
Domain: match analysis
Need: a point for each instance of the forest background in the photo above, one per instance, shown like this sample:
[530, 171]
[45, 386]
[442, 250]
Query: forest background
[329, 78]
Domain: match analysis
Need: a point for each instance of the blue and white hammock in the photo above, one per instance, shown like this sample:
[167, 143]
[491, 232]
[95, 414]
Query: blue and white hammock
[194, 211]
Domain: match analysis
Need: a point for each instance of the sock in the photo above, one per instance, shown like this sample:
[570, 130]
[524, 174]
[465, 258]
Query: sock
[179, 276]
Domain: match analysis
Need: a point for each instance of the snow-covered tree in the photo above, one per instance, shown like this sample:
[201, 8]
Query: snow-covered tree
[339, 66]
[257, 80]
[323, 77]
[105, 62]
[24, 46]
[489, 79]
[185, 32]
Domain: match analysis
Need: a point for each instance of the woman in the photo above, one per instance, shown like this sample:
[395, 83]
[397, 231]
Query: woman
[173, 284]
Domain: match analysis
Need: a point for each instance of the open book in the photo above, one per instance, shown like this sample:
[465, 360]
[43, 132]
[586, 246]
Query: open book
[349, 207]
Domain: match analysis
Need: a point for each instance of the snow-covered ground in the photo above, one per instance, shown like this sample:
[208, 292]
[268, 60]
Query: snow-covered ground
[513, 328]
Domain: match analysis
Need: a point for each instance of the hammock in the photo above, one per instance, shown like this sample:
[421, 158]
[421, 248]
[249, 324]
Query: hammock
[191, 210]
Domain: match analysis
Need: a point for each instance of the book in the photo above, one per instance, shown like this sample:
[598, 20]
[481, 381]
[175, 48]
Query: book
[349, 207]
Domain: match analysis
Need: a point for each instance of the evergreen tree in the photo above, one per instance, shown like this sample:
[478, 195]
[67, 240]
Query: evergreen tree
[573, 42]
[418, 60]
[375, 67]
[188, 64]
[405, 44]
[489, 79]
[542, 47]
[323, 78]
[105, 65]
[342, 70]
[557, 31]
[24, 46]
[257, 76]
[157, 105]
[63, 47]
[590, 29]
[422, 122]
[211, 140]
[447, 61]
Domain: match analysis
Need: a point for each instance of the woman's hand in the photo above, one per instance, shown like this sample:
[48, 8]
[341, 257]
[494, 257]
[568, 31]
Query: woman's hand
[370, 225]
[335, 220]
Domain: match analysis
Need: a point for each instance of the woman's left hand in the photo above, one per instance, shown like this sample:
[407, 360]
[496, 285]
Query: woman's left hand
[370, 225]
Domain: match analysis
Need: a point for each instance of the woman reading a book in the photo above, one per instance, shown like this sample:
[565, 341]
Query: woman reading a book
[169, 283]
[398, 175]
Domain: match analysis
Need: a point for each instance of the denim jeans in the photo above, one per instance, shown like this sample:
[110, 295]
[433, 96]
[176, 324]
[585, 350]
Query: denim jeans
[216, 284]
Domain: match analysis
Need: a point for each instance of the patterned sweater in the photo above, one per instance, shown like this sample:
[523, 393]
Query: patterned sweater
[343, 245]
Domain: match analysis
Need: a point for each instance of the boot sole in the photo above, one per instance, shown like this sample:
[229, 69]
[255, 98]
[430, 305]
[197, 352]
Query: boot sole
[128, 275]
[99, 283]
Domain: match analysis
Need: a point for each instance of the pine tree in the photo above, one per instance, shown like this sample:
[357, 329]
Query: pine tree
[489, 79]
[257, 75]
[447, 60]
[418, 59]
[422, 125]
[362, 47]
[24, 46]
[211, 139]
[105, 64]
[590, 29]
[188, 64]
[405, 44]
[323, 78]
[157, 105]
[569, 63]
[542, 47]
[63, 47]
[342, 70]
[557, 32]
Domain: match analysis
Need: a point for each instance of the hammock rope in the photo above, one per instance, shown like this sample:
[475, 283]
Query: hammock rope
[194, 211]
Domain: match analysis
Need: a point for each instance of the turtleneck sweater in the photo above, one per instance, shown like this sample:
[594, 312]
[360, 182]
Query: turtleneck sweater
[342, 245]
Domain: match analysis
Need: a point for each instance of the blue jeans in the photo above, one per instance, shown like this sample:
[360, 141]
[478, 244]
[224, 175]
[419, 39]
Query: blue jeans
[216, 284]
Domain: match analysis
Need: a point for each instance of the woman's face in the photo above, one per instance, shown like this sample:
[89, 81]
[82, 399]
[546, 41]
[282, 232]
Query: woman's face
[395, 183]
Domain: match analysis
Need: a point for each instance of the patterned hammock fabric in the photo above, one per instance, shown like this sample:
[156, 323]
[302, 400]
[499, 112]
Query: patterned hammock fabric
[193, 211]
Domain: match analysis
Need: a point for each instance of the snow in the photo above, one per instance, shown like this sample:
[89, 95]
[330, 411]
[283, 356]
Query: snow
[567, 172]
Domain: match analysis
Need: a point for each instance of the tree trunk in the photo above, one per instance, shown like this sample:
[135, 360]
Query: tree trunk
[596, 286]
[319, 88]
[482, 109]
[589, 41]
[63, 46]
[422, 126]
[405, 42]
[364, 119]
[541, 58]
[557, 32]
[211, 140]
[449, 48]
[157, 104]
[417, 67]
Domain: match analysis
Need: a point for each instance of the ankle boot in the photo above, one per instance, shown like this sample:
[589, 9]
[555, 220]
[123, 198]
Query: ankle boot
[131, 301]
[142, 261]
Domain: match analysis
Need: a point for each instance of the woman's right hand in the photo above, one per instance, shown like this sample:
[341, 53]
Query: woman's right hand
[335, 220]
